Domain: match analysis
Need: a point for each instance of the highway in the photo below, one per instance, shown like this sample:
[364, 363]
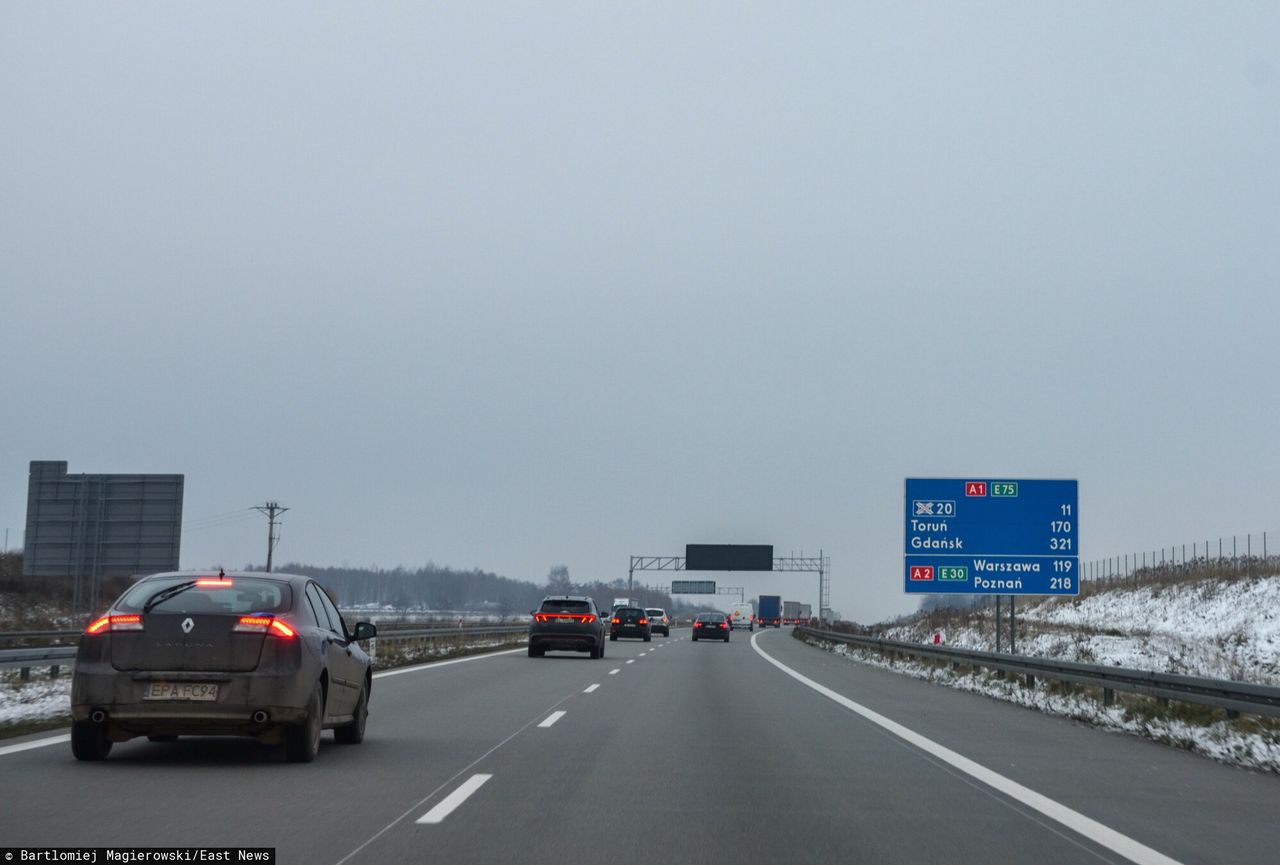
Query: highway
[761, 750]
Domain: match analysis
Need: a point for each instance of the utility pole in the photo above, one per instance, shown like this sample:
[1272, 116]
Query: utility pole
[271, 509]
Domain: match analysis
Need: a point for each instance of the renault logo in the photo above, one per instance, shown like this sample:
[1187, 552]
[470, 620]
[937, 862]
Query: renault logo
[187, 625]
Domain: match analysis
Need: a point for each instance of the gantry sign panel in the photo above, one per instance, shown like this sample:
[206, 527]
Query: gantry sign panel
[991, 536]
[693, 587]
[728, 557]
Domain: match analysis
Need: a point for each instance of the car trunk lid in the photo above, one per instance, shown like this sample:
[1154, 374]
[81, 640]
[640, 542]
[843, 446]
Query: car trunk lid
[196, 642]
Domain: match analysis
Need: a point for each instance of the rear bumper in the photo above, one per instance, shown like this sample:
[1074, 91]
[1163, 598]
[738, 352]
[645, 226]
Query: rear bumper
[566, 642]
[119, 694]
[629, 631]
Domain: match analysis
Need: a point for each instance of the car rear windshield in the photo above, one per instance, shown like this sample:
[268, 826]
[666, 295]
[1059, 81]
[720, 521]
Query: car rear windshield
[711, 617]
[655, 612]
[211, 595]
[577, 607]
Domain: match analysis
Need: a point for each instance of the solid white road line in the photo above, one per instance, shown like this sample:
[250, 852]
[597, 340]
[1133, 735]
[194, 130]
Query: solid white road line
[37, 743]
[615, 671]
[437, 664]
[450, 803]
[1104, 836]
[552, 718]
[590, 688]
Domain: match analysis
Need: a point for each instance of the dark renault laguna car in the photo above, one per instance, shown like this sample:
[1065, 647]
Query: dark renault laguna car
[569, 623]
[630, 622]
[242, 654]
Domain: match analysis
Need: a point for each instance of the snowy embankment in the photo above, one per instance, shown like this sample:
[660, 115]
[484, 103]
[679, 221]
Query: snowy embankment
[41, 699]
[1218, 629]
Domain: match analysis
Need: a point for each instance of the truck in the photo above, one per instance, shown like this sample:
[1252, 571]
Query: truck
[769, 611]
[626, 602]
[806, 613]
[790, 612]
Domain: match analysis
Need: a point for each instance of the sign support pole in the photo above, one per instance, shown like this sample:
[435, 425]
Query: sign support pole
[997, 624]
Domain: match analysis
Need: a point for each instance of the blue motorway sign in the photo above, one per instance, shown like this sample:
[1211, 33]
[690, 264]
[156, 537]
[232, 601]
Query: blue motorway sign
[991, 536]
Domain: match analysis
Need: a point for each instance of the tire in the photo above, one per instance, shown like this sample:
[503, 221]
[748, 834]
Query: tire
[353, 733]
[89, 741]
[162, 738]
[533, 653]
[693, 639]
[613, 638]
[302, 741]
[648, 637]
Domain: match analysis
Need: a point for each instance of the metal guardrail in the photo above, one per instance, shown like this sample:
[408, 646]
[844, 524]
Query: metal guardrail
[14, 636]
[1235, 697]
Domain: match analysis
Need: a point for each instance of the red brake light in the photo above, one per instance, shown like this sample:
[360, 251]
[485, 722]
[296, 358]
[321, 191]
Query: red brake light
[131, 622]
[214, 582]
[644, 621]
[724, 624]
[616, 621]
[263, 625]
[587, 618]
[697, 624]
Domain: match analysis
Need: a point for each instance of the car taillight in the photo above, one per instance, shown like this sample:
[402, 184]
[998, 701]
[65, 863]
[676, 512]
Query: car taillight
[697, 624]
[214, 582]
[644, 621]
[263, 625]
[724, 624]
[115, 623]
[615, 621]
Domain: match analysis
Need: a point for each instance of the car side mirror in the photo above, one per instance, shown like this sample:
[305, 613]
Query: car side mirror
[365, 631]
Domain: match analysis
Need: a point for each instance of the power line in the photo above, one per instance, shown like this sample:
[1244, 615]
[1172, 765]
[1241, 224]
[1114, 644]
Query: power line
[271, 509]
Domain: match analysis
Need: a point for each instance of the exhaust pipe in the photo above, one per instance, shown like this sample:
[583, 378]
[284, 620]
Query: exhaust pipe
[97, 716]
[259, 717]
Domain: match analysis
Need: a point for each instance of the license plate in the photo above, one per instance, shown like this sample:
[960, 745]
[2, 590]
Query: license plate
[197, 691]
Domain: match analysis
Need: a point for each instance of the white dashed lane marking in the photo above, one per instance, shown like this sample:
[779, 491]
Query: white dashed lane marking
[450, 803]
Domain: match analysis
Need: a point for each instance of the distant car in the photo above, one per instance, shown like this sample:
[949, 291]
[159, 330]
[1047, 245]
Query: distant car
[566, 623]
[742, 616]
[244, 654]
[711, 626]
[659, 621]
[630, 622]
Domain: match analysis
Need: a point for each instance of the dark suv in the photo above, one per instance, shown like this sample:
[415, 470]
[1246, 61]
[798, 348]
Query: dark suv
[566, 623]
[630, 622]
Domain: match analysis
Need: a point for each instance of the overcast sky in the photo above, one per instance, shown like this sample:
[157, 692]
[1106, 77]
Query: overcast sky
[510, 285]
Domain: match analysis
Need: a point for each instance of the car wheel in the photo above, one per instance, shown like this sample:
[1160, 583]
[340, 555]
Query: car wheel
[353, 733]
[613, 638]
[162, 738]
[533, 653]
[89, 741]
[693, 639]
[648, 637]
[302, 741]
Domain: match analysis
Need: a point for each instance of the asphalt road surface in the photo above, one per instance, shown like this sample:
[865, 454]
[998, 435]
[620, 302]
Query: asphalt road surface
[762, 750]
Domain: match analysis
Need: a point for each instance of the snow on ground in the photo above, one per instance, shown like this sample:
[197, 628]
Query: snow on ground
[32, 701]
[1220, 629]
[1222, 740]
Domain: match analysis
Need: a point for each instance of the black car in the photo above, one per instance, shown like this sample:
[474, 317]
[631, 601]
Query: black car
[242, 654]
[630, 622]
[566, 623]
[711, 626]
